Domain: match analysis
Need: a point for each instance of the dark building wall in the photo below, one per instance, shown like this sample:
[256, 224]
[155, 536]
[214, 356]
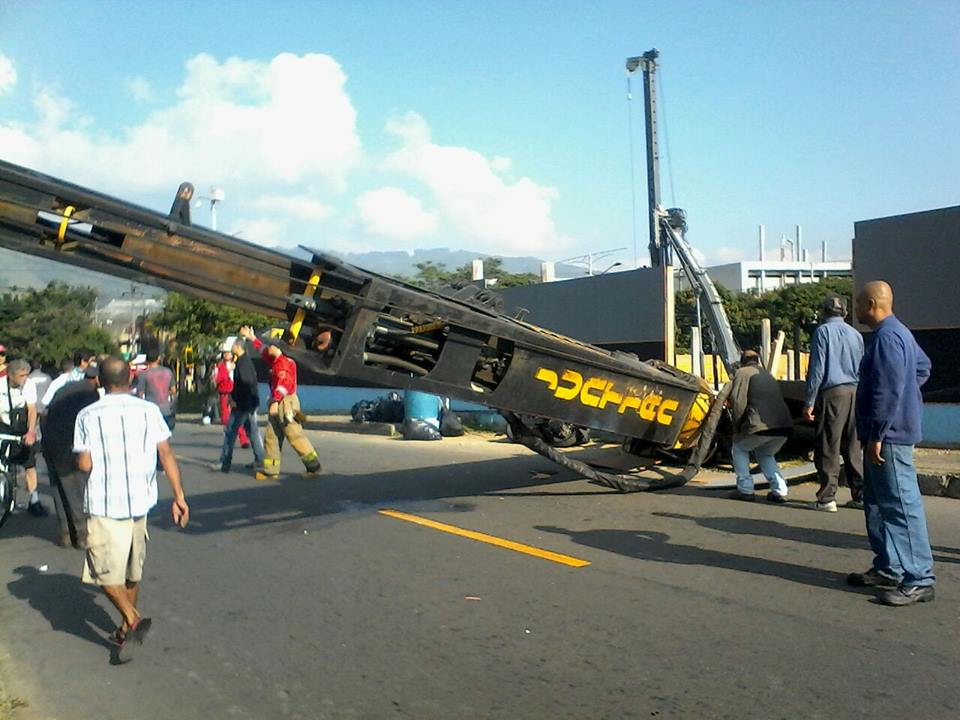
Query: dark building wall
[919, 255]
[617, 311]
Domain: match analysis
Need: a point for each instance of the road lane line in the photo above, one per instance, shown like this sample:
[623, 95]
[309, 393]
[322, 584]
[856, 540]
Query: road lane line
[489, 539]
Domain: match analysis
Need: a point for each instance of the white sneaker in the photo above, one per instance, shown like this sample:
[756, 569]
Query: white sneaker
[827, 506]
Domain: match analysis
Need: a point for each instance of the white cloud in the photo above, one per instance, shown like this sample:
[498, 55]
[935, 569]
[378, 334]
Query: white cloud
[280, 137]
[8, 74]
[261, 230]
[727, 254]
[299, 207]
[141, 90]
[394, 213]
[235, 124]
[487, 211]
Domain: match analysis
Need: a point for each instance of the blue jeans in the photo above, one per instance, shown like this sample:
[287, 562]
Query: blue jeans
[896, 523]
[764, 448]
[247, 418]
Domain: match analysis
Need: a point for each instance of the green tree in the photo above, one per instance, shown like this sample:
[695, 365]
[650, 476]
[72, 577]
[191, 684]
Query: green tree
[787, 307]
[435, 276]
[493, 268]
[46, 325]
[202, 324]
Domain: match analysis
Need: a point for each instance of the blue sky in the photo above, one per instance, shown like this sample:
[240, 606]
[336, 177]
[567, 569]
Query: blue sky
[497, 127]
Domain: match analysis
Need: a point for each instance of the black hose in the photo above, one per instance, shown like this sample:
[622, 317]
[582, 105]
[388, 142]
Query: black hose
[408, 339]
[369, 357]
[620, 481]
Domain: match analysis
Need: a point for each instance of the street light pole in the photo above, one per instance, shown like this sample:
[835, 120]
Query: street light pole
[587, 260]
[132, 293]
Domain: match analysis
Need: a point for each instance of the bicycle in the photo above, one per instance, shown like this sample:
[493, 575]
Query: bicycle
[8, 477]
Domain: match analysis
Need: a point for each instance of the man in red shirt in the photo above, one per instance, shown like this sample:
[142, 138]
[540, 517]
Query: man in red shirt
[223, 378]
[283, 412]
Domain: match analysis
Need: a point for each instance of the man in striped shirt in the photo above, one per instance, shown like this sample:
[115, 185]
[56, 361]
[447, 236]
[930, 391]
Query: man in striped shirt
[117, 441]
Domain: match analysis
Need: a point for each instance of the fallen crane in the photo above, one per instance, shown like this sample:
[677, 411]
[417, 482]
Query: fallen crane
[349, 323]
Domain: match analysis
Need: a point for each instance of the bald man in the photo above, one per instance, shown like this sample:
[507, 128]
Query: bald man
[889, 408]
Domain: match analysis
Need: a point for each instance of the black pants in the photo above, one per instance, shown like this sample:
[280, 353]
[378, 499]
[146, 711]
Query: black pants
[68, 492]
[837, 438]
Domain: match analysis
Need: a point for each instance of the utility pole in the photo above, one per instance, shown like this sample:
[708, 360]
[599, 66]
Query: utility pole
[659, 253]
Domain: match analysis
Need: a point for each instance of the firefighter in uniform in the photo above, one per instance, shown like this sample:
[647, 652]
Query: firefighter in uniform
[283, 412]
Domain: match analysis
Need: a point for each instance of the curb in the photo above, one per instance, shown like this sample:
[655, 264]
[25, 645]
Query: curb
[348, 426]
[939, 484]
[932, 484]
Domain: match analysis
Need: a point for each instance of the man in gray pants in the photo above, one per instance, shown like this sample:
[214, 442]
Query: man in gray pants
[835, 353]
[65, 477]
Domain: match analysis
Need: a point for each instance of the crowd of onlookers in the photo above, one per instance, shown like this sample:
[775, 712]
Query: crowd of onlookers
[865, 402]
[106, 432]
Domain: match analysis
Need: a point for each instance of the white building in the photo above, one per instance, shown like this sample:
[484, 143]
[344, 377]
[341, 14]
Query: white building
[794, 267]
[760, 276]
[120, 311]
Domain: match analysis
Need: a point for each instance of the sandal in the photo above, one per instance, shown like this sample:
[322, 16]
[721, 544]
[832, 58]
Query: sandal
[117, 636]
[133, 640]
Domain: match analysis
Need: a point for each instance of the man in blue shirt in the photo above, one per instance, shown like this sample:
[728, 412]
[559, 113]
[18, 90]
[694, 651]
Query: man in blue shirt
[889, 407]
[835, 353]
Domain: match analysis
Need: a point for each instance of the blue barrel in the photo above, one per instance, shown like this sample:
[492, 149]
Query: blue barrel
[422, 406]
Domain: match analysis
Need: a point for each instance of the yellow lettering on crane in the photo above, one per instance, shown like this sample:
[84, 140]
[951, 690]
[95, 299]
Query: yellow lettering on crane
[598, 392]
[593, 384]
[665, 414]
[648, 408]
[549, 376]
[610, 396]
[630, 402]
[576, 380]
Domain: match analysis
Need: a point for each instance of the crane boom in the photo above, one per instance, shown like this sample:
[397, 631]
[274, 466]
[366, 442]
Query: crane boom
[383, 332]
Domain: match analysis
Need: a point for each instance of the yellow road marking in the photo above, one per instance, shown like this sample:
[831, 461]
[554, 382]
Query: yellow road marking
[489, 539]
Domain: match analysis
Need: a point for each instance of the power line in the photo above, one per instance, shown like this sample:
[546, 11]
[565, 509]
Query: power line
[666, 136]
[633, 174]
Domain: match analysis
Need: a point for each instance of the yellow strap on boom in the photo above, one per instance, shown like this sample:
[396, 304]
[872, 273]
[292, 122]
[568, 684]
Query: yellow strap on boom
[298, 317]
[62, 232]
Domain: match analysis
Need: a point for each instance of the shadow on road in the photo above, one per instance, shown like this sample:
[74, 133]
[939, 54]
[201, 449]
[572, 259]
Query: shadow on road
[293, 498]
[66, 603]
[22, 524]
[774, 529]
[656, 547]
[792, 533]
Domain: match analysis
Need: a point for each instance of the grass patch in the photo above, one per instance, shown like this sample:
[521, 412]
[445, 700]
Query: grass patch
[9, 705]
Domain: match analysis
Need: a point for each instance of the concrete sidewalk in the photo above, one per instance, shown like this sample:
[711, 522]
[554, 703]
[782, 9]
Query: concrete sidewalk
[938, 470]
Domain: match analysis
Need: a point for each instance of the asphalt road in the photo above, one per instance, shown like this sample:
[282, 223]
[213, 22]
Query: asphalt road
[299, 599]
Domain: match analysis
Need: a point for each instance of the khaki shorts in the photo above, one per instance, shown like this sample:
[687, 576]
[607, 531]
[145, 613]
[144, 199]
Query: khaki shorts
[116, 550]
